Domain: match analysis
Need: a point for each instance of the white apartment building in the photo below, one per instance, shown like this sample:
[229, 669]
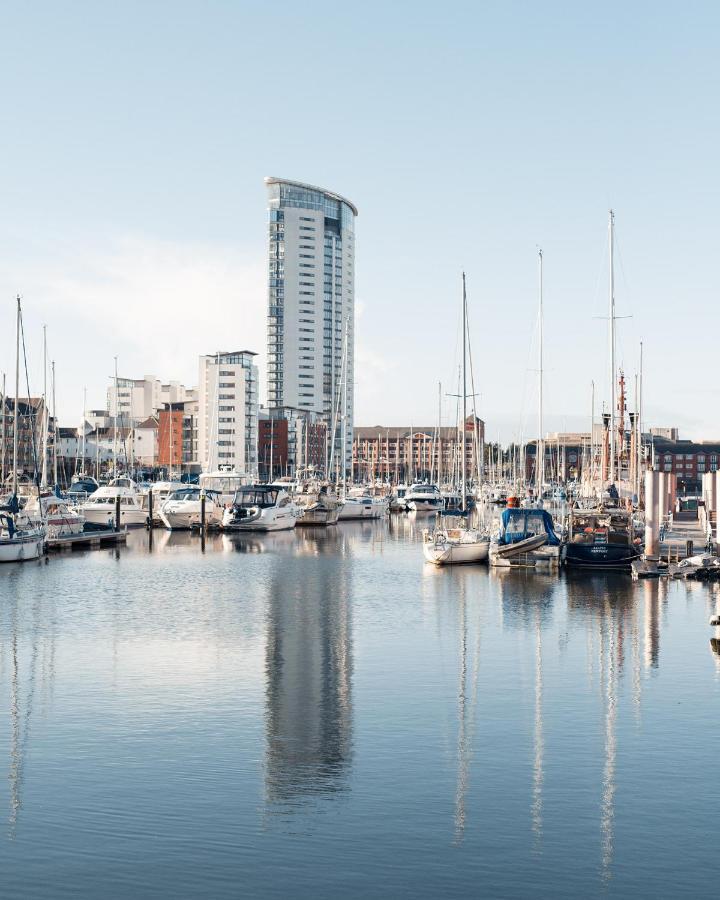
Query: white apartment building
[311, 305]
[138, 399]
[228, 412]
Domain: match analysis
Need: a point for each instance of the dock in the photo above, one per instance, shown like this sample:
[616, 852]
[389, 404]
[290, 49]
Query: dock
[89, 540]
[682, 552]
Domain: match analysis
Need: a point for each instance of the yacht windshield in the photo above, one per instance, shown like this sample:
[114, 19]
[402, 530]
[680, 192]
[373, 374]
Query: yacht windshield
[254, 497]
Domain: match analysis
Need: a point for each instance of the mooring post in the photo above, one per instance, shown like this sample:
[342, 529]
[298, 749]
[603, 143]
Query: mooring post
[150, 508]
[117, 513]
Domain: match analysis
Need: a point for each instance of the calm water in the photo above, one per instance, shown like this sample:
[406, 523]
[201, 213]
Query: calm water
[321, 715]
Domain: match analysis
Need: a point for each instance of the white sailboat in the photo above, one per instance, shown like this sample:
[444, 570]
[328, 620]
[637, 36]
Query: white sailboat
[18, 544]
[448, 546]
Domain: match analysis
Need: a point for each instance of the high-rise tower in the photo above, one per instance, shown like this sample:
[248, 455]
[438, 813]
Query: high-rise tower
[311, 303]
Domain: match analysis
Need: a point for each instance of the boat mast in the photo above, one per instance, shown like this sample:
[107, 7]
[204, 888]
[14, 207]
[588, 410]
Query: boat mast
[55, 428]
[115, 435]
[611, 230]
[2, 437]
[540, 462]
[84, 449]
[464, 396]
[638, 420]
[17, 400]
[46, 421]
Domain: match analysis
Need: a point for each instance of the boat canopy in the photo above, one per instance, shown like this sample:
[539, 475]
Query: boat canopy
[519, 524]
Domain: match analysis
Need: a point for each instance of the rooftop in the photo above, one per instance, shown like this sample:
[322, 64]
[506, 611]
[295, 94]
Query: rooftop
[312, 187]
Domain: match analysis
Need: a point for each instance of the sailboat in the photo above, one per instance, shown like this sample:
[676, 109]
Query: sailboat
[18, 544]
[447, 546]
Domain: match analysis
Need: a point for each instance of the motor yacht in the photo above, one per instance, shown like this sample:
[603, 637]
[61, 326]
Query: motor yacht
[361, 504]
[601, 539]
[261, 507]
[424, 498]
[53, 513]
[526, 538]
[319, 504]
[182, 508]
[100, 507]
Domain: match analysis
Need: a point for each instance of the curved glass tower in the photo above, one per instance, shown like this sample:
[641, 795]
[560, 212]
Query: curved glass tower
[311, 301]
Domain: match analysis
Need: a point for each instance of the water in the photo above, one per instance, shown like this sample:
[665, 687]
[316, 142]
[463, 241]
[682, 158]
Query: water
[320, 714]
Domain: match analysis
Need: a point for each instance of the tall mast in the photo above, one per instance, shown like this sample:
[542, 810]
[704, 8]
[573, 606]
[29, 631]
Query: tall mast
[115, 434]
[3, 409]
[46, 421]
[592, 433]
[639, 424]
[464, 393]
[55, 428]
[540, 462]
[17, 399]
[611, 235]
[84, 418]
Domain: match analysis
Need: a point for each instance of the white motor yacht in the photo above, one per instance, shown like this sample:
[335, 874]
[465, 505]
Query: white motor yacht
[319, 504]
[360, 504]
[261, 507]
[424, 498]
[182, 508]
[225, 482]
[52, 512]
[99, 508]
[160, 491]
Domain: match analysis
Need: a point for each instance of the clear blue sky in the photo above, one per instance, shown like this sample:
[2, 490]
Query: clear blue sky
[132, 206]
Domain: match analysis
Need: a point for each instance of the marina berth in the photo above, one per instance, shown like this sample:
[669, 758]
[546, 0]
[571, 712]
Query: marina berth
[526, 538]
[53, 513]
[182, 509]
[451, 546]
[424, 498]
[261, 507]
[361, 504]
[19, 544]
[101, 507]
[601, 539]
[318, 503]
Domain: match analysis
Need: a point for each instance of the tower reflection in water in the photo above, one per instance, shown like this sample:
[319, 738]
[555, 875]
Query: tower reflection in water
[614, 616]
[309, 674]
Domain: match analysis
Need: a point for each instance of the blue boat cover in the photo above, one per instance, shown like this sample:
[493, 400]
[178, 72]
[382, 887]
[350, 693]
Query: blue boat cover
[518, 524]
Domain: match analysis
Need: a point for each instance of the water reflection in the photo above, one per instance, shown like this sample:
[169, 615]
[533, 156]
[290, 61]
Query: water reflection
[308, 665]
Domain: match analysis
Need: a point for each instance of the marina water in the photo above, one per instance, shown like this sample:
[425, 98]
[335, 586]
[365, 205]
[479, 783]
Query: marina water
[321, 714]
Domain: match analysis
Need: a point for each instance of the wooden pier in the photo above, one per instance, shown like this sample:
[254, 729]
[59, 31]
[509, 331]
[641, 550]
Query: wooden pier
[88, 540]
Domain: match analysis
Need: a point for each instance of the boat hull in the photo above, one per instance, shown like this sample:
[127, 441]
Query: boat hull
[320, 516]
[598, 556]
[22, 549]
[101, 515]
[455, 553]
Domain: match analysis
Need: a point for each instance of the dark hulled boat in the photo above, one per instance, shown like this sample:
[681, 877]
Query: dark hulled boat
[600, 539]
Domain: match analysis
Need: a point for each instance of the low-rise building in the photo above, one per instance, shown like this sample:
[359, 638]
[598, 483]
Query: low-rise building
[395, 453]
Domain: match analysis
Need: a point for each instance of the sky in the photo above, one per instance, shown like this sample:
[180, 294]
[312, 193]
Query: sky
[136, 136]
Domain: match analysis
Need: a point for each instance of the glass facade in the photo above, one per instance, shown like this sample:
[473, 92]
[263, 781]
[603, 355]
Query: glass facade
[310, 247]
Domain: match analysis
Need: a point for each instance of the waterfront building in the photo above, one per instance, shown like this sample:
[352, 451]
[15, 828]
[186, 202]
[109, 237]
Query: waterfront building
[145, 443]
[31, 415]
[311, 308]
[417, 453]
[290, 440]
[227, 418]
[140, 398]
